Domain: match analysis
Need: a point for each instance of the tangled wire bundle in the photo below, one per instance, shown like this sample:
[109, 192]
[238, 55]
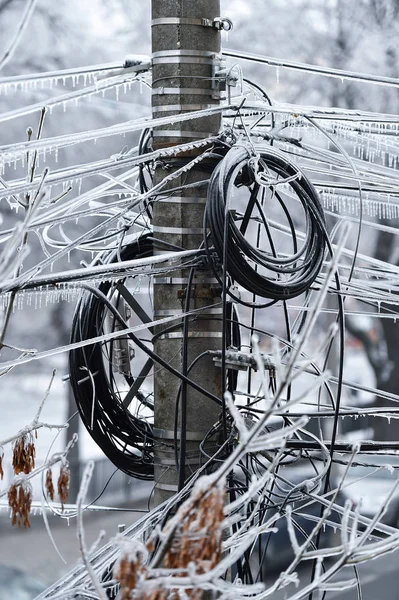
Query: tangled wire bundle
[124, 438]
[263, 272]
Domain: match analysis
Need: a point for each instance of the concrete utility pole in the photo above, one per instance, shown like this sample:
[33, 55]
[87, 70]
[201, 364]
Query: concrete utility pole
[185, 45]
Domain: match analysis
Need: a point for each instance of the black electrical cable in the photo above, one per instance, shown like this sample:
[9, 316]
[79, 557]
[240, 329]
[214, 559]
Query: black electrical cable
[126, 439]
[265, 95]
[244, 264]
[233, 338]
[293, 275]
[145, 147]
[183, 412]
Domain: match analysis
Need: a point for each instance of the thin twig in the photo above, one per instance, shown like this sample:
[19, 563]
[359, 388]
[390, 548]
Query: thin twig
[87, 474]
[21, 28]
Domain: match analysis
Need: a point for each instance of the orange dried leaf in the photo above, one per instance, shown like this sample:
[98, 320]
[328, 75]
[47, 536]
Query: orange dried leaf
[49, 485]
[63, 484]
[23, 458]
[20, 502]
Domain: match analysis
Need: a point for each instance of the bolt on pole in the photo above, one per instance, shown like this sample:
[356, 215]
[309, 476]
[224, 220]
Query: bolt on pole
[186, 47]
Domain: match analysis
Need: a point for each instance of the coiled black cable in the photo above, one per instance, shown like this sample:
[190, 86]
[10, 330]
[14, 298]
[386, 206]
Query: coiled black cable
[124, 438]
[246, 264]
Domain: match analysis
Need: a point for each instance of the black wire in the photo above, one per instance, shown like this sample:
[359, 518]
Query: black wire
[124, 438]
[183, 412]
[144, 147]
[128, 439]
[235, 170]
[265, 96]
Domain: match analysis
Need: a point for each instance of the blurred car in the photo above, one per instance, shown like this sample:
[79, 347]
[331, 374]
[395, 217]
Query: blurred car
[15, 584]
[370, 485]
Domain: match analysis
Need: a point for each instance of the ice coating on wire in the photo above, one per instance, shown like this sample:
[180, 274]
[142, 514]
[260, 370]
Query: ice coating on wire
[370, 140]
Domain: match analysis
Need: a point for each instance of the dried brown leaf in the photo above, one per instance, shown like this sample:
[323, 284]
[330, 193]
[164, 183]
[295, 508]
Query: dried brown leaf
[63, 484]
[49, 485]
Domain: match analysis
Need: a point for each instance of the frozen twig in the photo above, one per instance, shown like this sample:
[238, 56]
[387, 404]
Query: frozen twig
[21, 28]
[53, 460]
[86, 478]
[36, 424]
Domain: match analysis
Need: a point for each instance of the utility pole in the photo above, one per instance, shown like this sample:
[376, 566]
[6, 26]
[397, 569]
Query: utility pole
[186, 47]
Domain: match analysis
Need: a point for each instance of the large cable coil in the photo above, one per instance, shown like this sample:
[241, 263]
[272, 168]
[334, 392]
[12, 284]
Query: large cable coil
[251, 258]
[112, 379]
[124, 436]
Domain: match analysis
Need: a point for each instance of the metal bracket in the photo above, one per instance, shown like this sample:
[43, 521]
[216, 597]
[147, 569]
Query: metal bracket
[121, 346]
[222, 24]
[226, 78]
[242, 361]
[161, 91]
[219, 23]
[180, 107]
[223, 79]
[203, 57]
